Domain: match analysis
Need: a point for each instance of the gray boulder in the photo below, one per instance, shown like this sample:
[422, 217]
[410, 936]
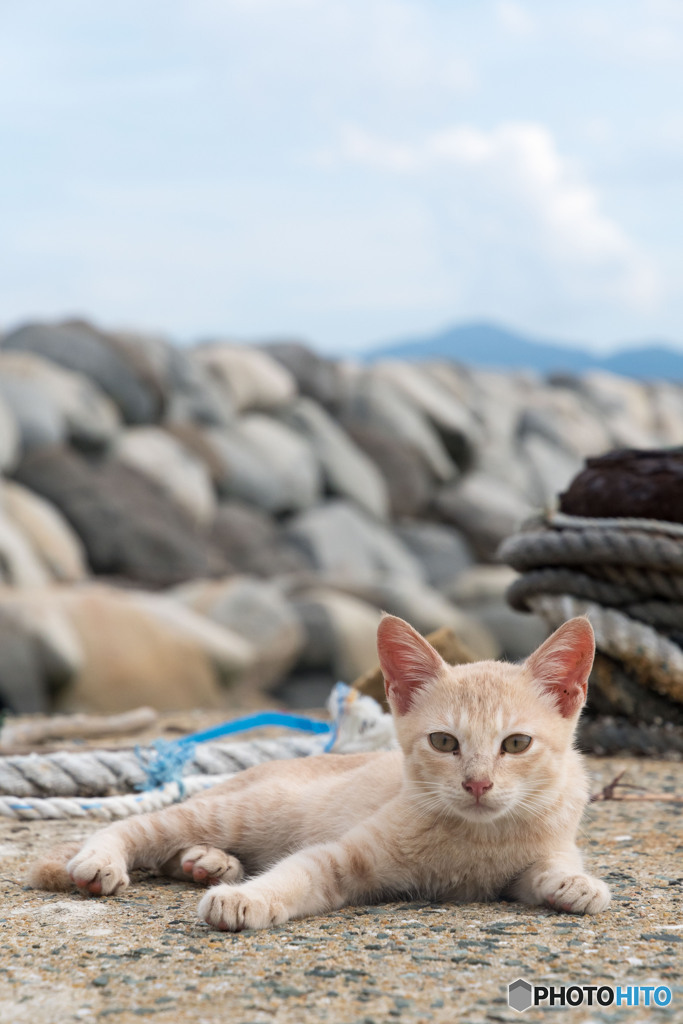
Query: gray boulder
[51, 404]
[316, 377]
[120, 370]
[51, 538]
[551, 469]
[257, 611]
[409, 481]
[344, 542]
[347, 471]
[39, 421]
[442, 550]
[127, 524]
[41, 653]
[191, 394]
[448, 414]
[484, 509]
[667, 405]
[425, 609]
[480, 591]
[371, 401]
[20, 565]
[340, 633]
[10, 437]
[253, 543]
[175, 468]
[565, 419]
[248, 377]
[262, 462]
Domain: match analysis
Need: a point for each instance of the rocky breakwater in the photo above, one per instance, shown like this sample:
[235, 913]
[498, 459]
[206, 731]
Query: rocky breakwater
[179, 524]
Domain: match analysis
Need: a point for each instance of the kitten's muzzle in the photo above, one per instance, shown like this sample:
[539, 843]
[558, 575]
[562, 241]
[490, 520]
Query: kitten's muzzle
[477, 787]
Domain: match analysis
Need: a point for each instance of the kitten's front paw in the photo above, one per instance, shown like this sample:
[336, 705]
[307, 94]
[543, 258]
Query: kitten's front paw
[98, 871]
[232, 909]
[210, 866]
[575, 894]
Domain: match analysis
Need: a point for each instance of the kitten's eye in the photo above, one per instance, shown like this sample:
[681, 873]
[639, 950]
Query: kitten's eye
[515, 744]
[443, 742]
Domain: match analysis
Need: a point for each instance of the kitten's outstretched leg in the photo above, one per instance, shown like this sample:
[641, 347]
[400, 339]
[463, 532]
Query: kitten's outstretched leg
[561, 882]
[357, 868]
[204, 864]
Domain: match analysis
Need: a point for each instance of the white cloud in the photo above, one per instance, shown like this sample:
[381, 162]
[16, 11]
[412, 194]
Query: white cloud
[512, 185]
[515, 18]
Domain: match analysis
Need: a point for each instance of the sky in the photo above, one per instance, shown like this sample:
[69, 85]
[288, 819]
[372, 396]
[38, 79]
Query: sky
[344, 171]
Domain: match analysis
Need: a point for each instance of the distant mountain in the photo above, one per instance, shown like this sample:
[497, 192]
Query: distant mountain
[484, 344]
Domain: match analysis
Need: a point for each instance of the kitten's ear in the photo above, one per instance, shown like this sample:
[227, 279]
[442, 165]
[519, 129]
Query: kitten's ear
[408, 661]
[563, 663]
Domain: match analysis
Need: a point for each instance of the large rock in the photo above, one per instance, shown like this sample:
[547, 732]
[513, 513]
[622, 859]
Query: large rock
[486, 510]
[51, 404]
[257, 611]
[347, 470]
[566, 419]
[118, 369]
[10, 437]
[316, 377]
[126, 523]
[253, 543]
[38, 418]
[551, 469]
[502, 399]
[148, 649]
[41, 652]
[259, 461]
[409, 481]
[191, 394]
[54, 542]
[480, 591]
[344, 542]
[340, 632]
[457, 427]
[371, 402]
[426, 609]
[173, 466]
[20, 565]
[287, 457]
[247, 375]
[442, 551]
[624, 408]
[667, 405]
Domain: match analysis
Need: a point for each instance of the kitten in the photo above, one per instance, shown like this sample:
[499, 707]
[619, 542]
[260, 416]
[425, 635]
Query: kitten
[482, 800]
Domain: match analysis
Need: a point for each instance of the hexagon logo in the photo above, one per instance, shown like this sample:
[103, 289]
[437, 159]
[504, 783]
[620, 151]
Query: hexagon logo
[519, 995]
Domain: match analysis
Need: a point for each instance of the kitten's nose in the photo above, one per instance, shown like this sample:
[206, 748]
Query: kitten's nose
[477, 786]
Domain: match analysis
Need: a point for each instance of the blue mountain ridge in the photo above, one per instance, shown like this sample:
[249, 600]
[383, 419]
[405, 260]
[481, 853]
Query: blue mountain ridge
[489, 345]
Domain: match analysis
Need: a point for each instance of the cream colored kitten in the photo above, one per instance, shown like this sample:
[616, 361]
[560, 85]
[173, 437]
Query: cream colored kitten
[482, 800]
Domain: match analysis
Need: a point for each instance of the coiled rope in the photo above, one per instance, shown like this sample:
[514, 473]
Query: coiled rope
[626, 575]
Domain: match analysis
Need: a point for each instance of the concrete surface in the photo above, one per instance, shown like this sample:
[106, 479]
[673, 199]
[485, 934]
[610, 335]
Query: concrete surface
[66, 958]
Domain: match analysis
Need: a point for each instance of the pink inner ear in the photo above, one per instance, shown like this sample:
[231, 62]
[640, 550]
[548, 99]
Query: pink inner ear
[408, 661]
[563, 663]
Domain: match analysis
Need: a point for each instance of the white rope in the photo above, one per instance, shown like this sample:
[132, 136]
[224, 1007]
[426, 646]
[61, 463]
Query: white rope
[95, 773]
[107, 808]
[563, 521]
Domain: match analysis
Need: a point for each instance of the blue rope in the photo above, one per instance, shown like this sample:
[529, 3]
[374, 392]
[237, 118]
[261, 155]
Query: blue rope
[165, 763]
